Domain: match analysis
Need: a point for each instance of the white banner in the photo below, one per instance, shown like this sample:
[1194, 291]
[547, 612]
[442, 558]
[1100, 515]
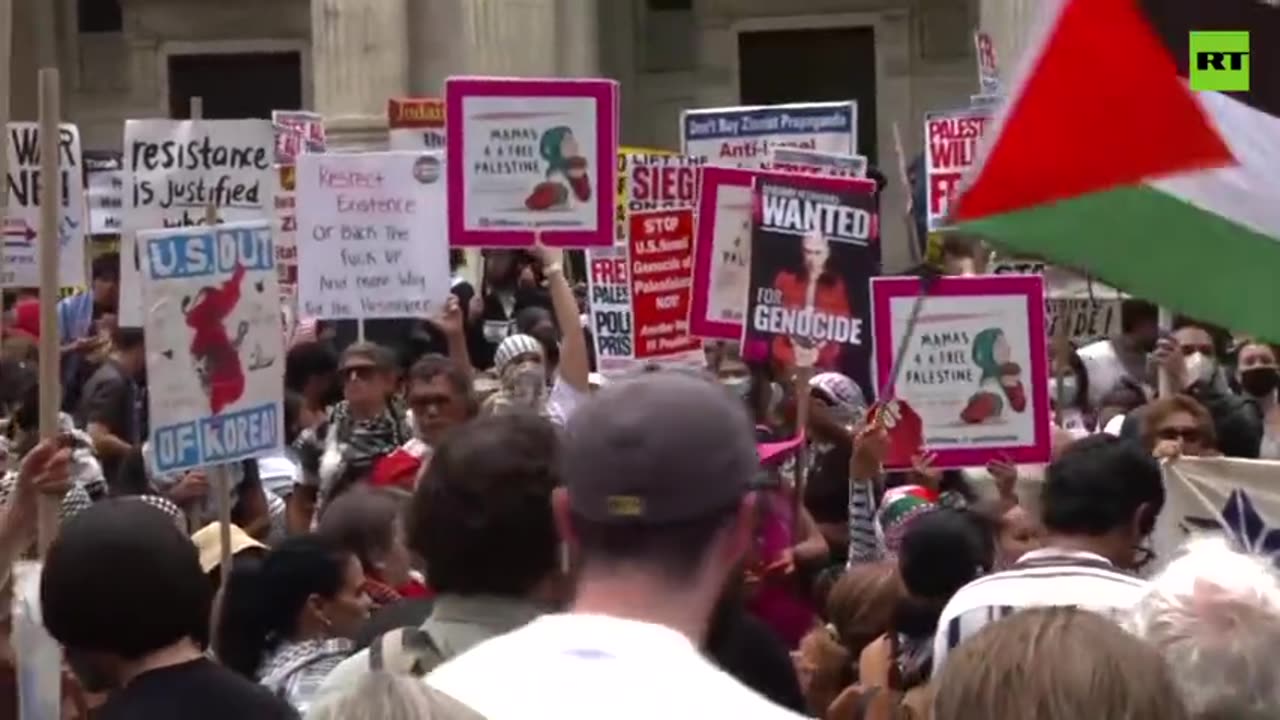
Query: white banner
[373, 237]
[22, 223]
[174, 169]
[1240, 498]
[215, 352]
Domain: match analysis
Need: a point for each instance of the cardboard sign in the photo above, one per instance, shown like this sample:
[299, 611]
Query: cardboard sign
[661, 283]
[215, 353]
[609, 295]
[976, 366]
[174, 169]
[529, 156]
[104, 192]
[815, 243]
[22, 231]
[372, 235]
[416, 123]
[951, 147]
[744, 136]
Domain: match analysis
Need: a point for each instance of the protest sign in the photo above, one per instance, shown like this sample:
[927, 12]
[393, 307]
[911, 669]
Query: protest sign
[815, 243]
[175, 169]
[812, 162]
[104, 191]
[530, 156]
[416, 123]
[744, 136]
[988, 68]
[297, 132]
[215, 353]
[1090, 310]
[951, 147]
[22, 222]
[975, 368]
[648, 182]
[372, 235]
[609, 295]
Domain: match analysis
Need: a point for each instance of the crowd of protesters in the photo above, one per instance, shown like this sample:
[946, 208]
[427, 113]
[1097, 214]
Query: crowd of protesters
[469, 523]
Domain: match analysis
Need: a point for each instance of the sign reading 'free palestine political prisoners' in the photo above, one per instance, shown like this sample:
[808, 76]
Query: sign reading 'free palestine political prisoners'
[744, 136]
[372, 235]
[215, 353]
[530, 156]
[174, 169]
[22, 221]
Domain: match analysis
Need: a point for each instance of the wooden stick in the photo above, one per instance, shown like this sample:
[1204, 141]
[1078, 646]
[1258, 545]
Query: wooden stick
[6, 62]
[220, 474]
[49, 238]
[802, 453]
[1062, 352]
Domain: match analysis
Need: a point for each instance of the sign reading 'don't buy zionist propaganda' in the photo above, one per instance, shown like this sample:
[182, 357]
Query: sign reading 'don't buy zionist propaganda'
[21, 229]
[372, 235]
[531, 158]
[215, 353]
[174, 169]
[951, 147]
[744, 136]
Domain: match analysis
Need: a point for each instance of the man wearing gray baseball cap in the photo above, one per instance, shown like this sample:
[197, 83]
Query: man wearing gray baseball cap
[657, 512]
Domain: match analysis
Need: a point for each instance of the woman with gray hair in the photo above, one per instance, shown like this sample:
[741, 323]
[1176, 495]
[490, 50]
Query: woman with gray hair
[1214, 614]
[385, 696]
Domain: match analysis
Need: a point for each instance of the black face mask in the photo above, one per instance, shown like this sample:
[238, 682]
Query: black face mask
[93, 677]
[1260, 381]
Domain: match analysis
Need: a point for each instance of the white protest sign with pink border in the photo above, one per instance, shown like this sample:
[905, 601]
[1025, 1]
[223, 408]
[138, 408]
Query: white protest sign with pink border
[976, 368]
[528, 156]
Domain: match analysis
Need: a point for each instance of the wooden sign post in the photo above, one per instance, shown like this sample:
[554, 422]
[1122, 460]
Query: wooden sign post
[50, 250]
[6, 62]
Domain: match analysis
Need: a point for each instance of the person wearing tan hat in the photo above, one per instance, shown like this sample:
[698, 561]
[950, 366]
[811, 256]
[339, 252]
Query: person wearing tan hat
[208, 542]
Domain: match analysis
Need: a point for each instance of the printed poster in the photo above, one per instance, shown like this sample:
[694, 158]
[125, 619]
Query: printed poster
[657, 192]
[297, 133]
[988, 68]
[215, 353]
[815, 244]
[951, 148]
[812, 162]
[104, 191]
[528, 157]
[744, 136]
[975, 368]
[722, 250]
[22, 231]
[174, 169]
[372, 235]
[1090, 309]
[416, 123]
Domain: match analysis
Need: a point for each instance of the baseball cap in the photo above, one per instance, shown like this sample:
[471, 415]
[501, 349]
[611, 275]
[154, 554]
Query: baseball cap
[367, 354]
[657, 449]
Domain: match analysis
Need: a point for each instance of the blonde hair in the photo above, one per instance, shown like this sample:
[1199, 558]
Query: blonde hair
[1055, 664]
[386, 696]
[859, 607]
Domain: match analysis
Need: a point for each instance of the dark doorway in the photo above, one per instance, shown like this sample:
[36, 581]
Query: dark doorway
[235, 85]
[789, 66]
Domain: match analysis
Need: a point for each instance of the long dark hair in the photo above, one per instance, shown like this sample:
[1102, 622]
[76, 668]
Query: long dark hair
[262, 603]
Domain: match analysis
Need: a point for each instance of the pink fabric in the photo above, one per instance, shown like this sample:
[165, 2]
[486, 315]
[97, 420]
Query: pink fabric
[777, 601]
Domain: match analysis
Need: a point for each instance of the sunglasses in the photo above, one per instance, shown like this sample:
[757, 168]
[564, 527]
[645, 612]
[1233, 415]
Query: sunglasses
[1185, 434]
[363, 373]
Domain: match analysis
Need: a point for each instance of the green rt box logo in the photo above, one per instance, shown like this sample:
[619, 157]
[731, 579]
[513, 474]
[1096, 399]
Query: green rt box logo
[1220, 60]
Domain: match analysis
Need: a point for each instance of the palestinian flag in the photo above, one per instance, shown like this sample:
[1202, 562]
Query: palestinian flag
[1104, 160]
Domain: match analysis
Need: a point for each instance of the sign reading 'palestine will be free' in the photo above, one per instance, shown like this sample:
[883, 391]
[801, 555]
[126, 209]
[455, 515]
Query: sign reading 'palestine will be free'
[951, 148]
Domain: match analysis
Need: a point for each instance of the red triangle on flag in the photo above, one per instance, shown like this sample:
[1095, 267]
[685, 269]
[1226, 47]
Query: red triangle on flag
[1103, 107]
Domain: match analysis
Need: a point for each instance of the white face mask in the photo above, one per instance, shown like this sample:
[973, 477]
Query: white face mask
[740, 386]
[527, 383]
[1200, 367]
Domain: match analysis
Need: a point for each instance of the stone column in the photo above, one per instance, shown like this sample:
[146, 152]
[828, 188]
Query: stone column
[1010, 23]
[518, 38]
[360, 57]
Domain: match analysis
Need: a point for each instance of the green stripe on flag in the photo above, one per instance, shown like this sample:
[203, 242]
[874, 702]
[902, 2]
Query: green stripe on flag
[1156, 247]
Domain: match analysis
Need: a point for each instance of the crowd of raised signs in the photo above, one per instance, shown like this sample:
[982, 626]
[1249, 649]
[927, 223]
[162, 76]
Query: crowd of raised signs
[470, 522]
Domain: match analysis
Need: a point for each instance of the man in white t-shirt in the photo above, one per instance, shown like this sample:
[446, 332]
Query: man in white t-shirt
[656, 508]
